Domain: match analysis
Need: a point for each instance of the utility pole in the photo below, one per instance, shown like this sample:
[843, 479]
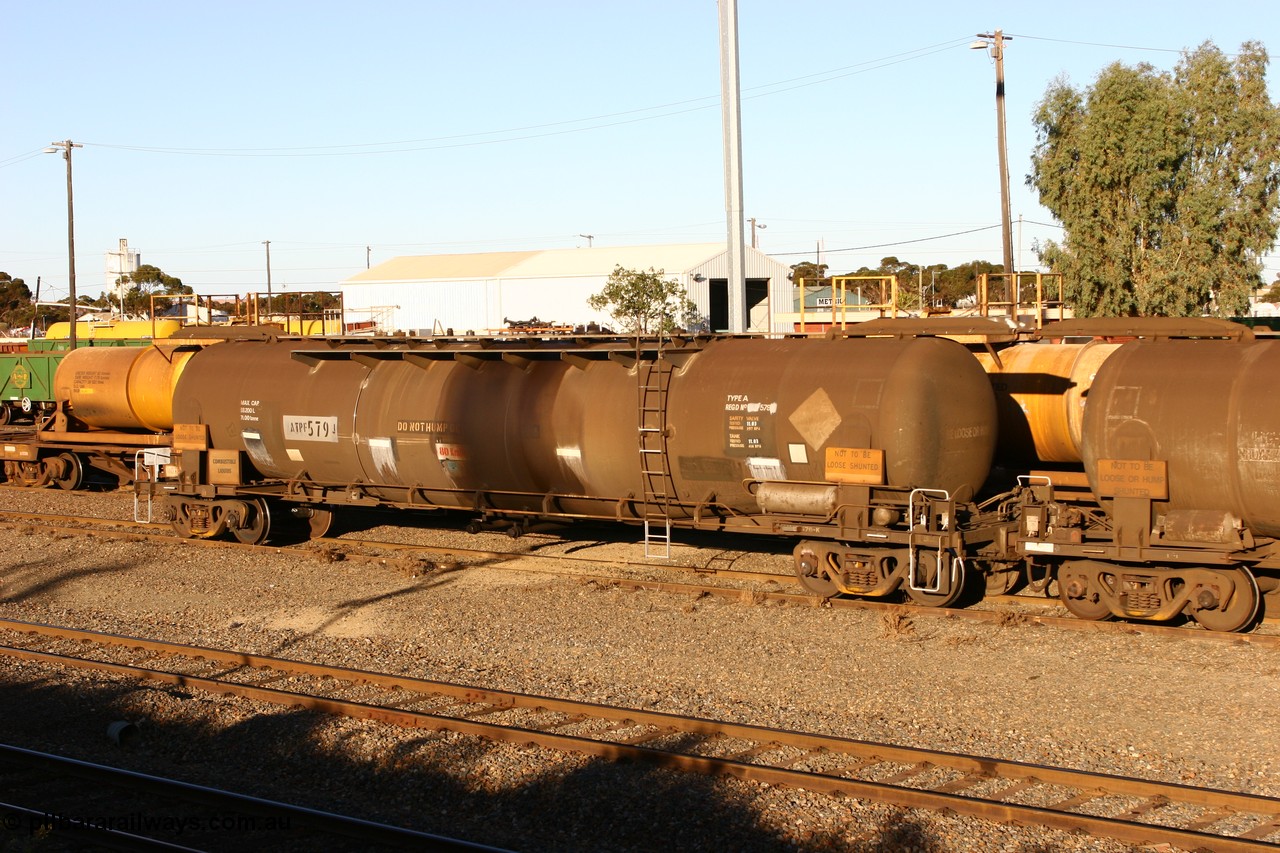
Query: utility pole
[731, 116]
[754, 226]
[35, 311]
[995, 41]
[267, 243]
[65, 147]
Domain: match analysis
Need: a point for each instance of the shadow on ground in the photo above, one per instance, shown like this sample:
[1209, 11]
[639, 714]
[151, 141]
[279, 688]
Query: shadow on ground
[438, 783]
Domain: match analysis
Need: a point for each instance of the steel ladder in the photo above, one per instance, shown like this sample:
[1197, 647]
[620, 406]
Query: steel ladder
[653, 379]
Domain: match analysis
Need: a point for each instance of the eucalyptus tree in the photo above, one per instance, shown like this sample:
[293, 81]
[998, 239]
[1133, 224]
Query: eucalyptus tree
[1167, 184]
[146, 281]
[15, 301]
[645, 302]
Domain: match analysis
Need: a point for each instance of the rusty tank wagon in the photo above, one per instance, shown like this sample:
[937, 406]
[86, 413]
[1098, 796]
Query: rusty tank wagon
[1180, 443]
[883, 442]
[896, 461]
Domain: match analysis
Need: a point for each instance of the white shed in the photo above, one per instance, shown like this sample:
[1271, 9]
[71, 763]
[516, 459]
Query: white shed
[480, 292]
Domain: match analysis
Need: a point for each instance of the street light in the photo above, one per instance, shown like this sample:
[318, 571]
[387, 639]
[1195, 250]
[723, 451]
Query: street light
[589, 238]
[65, 147]
[995, 41]
[754, 226]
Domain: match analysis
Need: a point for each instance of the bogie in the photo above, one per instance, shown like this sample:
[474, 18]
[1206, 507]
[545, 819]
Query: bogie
[928, 576]
[1218, 599]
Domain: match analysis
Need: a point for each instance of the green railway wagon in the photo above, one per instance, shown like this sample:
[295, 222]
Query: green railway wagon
[27, 377]
[27, 383]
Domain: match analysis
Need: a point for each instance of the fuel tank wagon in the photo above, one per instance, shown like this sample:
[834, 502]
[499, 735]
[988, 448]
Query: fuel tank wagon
[712, 427]
[1207, 413]
[1181, 446]
[872, 449]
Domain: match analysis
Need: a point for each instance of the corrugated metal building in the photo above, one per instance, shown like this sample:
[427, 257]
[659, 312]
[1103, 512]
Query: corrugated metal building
[480, 292]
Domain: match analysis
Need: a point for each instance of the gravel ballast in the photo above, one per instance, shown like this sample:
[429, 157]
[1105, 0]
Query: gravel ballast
[1166, 709]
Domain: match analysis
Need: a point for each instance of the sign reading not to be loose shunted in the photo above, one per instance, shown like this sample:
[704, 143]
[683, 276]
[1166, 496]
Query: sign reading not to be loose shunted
[855, 465]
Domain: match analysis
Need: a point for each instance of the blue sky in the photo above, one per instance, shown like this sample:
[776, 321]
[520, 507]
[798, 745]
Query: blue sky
[343, 134]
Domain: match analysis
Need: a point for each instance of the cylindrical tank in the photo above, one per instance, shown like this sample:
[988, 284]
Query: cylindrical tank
[1040, 396]
[1209, 409]
[378, 415]
[292, 415]
[116, 330]
[772, 409]
[311, 326]
[121, 387]
[466, 420]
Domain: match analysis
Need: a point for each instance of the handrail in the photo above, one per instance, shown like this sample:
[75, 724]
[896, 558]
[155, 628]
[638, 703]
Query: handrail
[888, 295]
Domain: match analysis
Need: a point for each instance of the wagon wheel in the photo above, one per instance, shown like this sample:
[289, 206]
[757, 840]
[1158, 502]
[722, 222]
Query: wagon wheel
[6, 414]
[319, 522]
[1003, 581]
[316, 518]
[1078, 592]
[254, 522]
[927, 576]
[1240, 611]
[812, 566]
[66, 471]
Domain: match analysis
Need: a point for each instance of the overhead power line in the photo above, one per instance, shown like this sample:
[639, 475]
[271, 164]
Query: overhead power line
[886, 245]
[599, 122]
[1100, 44]
[21, 158]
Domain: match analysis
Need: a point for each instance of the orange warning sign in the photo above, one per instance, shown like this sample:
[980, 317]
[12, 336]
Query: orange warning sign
[855, 465]
[1133, 478]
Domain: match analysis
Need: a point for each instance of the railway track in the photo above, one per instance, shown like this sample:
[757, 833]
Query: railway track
[53, 797]
[719, 565]
[1137, 811]
[1004, 610]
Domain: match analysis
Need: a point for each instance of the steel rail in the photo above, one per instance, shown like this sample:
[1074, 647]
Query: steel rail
[1002, 616]
[706, 569]
[314, 819]
[467, 704]
[43, 517]
[77, 523]
[502, 559]
[116, 839]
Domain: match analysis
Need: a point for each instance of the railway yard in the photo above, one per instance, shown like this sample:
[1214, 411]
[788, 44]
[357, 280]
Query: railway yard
[1176, 705]
[749, 546]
